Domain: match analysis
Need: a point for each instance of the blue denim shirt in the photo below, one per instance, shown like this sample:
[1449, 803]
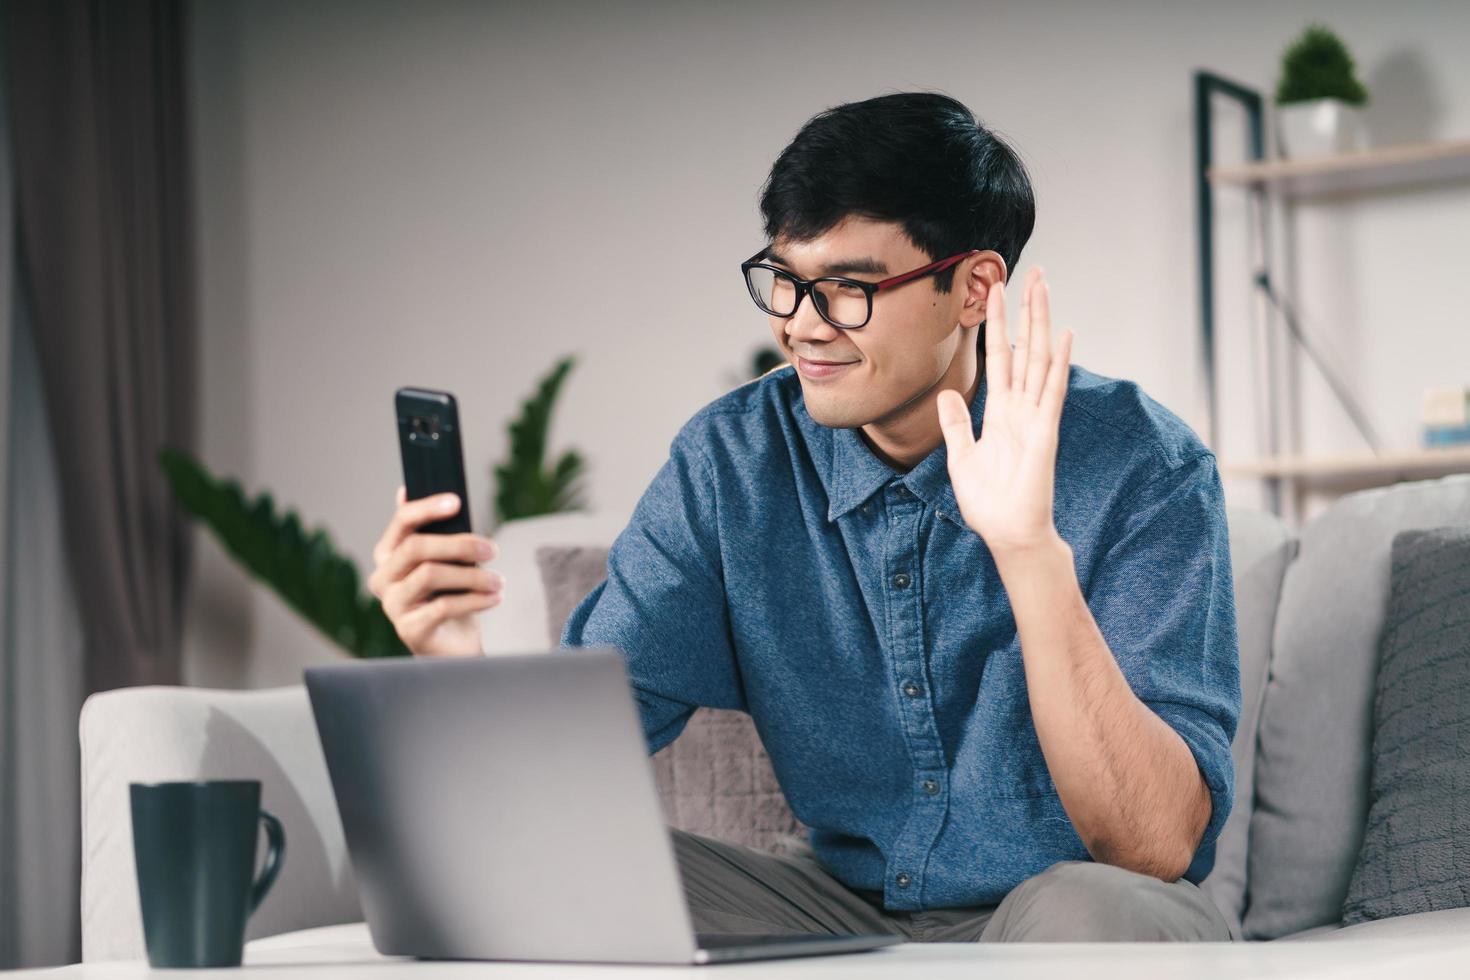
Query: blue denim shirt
[776, 566]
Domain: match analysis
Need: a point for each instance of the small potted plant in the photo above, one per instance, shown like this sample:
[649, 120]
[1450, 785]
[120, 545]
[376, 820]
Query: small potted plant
[1319, 98]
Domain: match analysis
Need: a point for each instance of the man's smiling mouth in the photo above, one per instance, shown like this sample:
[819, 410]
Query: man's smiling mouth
[819, 370]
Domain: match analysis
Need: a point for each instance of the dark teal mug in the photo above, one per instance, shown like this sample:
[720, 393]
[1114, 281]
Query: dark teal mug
[194, 846]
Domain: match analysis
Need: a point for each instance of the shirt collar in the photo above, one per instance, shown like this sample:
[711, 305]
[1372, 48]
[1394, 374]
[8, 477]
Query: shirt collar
[854, 473]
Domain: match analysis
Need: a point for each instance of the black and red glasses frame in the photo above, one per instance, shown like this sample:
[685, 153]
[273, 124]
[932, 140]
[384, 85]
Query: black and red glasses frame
[804, 286]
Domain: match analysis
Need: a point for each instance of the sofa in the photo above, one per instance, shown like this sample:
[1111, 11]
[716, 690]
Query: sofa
[1310, 609]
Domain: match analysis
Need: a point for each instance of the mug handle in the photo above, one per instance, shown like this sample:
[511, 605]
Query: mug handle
[275, 853]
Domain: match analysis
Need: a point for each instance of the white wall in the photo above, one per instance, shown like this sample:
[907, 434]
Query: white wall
[453, 195]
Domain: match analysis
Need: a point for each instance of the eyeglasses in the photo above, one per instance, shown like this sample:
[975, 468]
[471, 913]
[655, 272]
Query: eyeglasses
[845, 303]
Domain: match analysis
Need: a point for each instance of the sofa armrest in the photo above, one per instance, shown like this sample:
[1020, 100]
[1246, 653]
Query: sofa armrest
[153, 734]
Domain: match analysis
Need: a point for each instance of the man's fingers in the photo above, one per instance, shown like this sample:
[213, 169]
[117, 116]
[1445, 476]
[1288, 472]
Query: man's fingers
[954, 421]
[401, 597]
[1055, 394]
[1017, 379]
[384, 547]
[417, 548]
[1023, 333]
[1040, 358]
[410, 516]
[997, 345]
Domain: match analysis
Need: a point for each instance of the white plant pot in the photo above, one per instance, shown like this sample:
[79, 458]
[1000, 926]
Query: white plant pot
[1318, 127]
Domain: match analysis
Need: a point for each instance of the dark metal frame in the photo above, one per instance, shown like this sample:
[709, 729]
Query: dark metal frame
[1207, 84]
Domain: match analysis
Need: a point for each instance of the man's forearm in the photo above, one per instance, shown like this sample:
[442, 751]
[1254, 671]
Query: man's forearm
[1126, 779]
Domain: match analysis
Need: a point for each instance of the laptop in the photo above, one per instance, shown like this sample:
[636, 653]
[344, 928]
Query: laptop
[504, 808]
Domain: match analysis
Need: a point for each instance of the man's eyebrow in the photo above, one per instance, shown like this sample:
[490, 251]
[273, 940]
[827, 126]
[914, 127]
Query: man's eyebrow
[866, 264]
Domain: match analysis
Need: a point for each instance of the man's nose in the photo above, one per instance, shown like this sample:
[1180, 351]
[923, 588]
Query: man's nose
[806, 324]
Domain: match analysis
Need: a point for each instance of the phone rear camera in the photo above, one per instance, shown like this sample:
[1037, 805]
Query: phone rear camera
[423, 428]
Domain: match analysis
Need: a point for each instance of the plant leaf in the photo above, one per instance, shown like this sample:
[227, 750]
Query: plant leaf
[303, 568]
[524, 487]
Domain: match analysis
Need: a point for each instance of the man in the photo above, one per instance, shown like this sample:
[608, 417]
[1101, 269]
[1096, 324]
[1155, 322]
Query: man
[996, 677]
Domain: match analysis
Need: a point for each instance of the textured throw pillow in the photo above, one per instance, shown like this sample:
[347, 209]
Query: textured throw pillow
[715, 779]
[1416, 847]
[568, 574]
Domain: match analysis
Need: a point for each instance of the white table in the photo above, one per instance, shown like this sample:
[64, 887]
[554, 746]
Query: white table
[346, 953]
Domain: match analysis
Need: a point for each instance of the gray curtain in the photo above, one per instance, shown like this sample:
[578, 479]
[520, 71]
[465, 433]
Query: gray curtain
[97, 362]
[100, 147]
[40, 679]
[40, 651]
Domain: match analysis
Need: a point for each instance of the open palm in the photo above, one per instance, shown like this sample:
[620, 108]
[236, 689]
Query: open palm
[1004, 480]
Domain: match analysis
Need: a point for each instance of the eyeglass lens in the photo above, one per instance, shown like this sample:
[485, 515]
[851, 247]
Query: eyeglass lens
[838, 302]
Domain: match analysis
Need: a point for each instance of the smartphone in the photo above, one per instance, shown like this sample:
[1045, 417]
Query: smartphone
[433, 457]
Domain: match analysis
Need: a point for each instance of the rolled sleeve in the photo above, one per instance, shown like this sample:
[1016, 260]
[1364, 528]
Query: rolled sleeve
[1164, 600]
[663, 601]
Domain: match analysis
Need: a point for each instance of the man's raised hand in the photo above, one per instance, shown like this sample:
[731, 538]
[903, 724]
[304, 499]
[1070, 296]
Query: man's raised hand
[1003, 481]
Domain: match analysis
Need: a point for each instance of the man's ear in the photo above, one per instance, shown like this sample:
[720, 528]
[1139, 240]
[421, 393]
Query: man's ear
[979, 271]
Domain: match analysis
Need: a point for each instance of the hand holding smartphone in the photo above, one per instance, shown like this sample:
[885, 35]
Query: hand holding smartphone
[427, 570]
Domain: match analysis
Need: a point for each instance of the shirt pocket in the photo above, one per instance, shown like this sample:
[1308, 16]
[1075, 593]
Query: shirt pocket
[1012, 765]
[1020, 765]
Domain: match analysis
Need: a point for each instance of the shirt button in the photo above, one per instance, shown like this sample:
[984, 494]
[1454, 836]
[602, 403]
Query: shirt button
[903, 879]
[931, 787]
[867, 510]
[901, 490]
[911, 689]
[901, 580]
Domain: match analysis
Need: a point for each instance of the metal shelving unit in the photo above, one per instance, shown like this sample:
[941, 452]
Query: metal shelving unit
[1314, 176]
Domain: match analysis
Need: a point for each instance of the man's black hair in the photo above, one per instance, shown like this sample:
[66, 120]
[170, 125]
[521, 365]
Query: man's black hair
[920, 159]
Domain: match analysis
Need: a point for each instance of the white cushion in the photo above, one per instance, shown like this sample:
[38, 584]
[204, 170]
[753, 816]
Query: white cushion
[157, 734]
[518, 624]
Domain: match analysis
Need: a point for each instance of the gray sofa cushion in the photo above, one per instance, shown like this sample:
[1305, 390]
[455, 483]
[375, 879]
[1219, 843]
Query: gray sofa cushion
[1260, 550]
[1410, 861]
[568, 574]
[715, 779]
[1312, 756]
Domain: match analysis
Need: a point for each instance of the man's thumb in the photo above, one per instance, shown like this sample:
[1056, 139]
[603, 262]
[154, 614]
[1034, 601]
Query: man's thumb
[954, 422]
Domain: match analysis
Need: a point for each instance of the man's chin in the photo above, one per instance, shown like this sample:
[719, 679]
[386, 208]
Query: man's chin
[831, 412]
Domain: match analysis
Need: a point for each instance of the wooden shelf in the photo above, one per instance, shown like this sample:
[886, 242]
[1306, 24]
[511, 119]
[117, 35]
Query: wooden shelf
[1355, 468]
[1383, 166]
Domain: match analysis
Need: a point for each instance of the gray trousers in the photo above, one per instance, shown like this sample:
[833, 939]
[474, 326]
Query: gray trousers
[740, 890]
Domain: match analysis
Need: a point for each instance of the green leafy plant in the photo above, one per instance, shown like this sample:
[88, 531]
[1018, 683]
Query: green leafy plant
[524, 486]
[1317, 65]
[302, 567]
